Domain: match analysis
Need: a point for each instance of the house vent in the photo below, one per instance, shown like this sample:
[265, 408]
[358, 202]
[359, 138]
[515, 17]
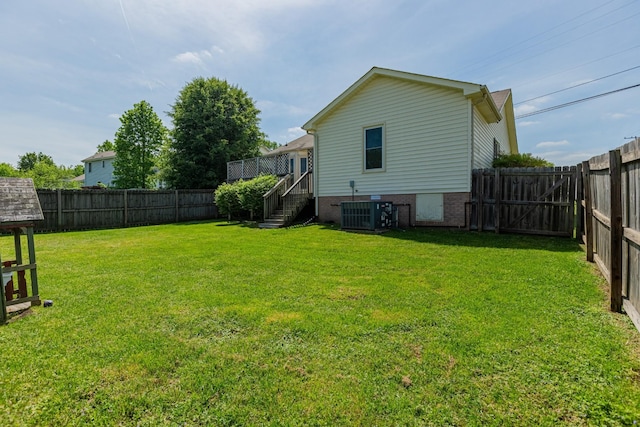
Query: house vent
[367, 215]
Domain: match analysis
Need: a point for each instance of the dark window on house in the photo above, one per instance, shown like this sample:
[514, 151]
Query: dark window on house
[103, 163]
[373, 147]
[496, 149]
[89, 167]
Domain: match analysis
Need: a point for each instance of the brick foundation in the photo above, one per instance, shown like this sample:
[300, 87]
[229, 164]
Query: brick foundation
[455, 209]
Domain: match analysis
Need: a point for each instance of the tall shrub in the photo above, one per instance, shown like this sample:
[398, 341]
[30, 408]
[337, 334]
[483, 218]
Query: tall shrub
[520, 160]
[226, 197]
[250, 194]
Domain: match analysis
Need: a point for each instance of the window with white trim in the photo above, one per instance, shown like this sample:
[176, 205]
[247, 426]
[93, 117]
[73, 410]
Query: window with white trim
[373, 148]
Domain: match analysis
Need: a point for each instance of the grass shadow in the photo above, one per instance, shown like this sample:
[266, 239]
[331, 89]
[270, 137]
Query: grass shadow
[461, 237]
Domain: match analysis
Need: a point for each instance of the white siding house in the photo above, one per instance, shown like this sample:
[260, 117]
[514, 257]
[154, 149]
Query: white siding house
[99, 169]
[410, 139]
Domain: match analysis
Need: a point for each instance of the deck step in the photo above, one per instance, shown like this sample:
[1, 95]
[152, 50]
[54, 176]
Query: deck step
[271, 224]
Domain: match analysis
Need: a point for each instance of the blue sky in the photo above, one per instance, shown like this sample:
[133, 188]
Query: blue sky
[70, 68]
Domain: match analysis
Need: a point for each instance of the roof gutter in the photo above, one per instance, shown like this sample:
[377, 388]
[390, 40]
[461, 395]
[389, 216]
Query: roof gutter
[483, 100]
[489, 99]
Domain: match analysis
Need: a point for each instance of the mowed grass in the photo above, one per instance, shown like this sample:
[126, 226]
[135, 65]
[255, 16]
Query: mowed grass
[217, 324]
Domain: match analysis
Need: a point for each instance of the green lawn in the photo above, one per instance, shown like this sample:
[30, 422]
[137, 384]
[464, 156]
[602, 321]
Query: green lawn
[217, 324]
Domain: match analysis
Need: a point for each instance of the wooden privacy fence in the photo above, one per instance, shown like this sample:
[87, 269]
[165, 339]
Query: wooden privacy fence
[609, 222]
[92, 209]
[524, 200]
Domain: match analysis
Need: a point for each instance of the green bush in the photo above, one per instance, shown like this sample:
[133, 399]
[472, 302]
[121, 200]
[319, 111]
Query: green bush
[520, 160]
[233, 199]
[250, 193]
[226, 197]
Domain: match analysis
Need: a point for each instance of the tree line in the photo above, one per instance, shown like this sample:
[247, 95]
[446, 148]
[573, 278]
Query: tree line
[43, 170]
[213, 121]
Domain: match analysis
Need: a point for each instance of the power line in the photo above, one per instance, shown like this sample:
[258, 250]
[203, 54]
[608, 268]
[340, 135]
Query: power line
[579, 66]
[511, 64]
[555, 107]
[562, 24]
[579, 84]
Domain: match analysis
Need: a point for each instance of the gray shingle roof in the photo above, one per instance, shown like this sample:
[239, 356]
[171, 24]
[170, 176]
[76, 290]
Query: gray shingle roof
[104, 155]
[19, 201]
[305, 142]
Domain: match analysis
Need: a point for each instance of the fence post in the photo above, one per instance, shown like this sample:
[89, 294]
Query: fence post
[497, 194]
[59, 209]
[615, 171]
[588, 206]
[573, 183]
[579, 197]
[126, 208]
[177, 207]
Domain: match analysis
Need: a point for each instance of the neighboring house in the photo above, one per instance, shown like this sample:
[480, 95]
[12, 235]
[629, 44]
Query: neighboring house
[99, 169]
[410, 139]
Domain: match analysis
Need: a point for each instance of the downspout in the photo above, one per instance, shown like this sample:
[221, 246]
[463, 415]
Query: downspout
[314, 170]
[472, 152]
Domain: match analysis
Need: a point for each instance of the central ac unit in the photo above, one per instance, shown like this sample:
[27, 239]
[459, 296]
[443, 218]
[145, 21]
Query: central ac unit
[367, 215]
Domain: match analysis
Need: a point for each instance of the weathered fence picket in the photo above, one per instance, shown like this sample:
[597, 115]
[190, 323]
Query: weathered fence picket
[609, 201]
[93, 209]
[524, 200]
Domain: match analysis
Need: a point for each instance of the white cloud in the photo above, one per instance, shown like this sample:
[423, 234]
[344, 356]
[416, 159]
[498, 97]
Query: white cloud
[552, 143]
[288, 135]
[192, 57]
[114, 116]
[524, 109]
[617, 116]
[531, 106]
[237, 26]
[296, 132]
[566, 158]
[524, 124]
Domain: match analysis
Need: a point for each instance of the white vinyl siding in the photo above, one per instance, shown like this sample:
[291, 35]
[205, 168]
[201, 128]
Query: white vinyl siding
[426, 140]
[483, 135]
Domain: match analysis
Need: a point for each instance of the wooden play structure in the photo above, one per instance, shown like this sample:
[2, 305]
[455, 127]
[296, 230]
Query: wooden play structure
[19, 209]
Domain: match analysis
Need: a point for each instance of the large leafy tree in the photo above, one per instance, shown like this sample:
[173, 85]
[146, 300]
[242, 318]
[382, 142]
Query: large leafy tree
[30, 160]
[7, 170]
[106, 146]
[43, 170]
[214, 122]
[137, 144]
[47, 175]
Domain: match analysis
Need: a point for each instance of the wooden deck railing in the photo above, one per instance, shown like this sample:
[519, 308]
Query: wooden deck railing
[251, 168]
[297, 196]
[272, 198]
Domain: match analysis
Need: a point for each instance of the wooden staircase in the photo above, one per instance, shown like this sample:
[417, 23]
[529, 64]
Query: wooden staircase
[275, 220]
[284, 202]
